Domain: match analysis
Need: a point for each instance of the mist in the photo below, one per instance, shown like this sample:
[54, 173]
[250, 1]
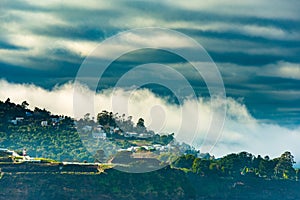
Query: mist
[241, 131]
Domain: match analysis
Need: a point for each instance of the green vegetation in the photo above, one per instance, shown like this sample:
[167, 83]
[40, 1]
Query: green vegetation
[63, 139]
[242, 164]
[59, 140]
[163, 184]
[52, 138]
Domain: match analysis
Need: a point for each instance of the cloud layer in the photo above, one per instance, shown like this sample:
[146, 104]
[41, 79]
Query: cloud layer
[38, 29]
[241, 132]
[255, 43]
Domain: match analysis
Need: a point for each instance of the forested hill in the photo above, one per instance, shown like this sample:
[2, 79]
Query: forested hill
[21, 128]
[55, 137]
[61, 137]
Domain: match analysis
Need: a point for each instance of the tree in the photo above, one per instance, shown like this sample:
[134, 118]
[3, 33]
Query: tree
[140, 126]
[7, 101]
[256, 161]
[24, 105]
[141, 123]
[245, 159]
[231, 164]
[214, 168]
[266, 167]
[106, 118]
[201, 166]
[86, 117]
[284, 168]
[125, 124]
[298, 174]
[166, 139]
[41, 113]
[185, 161]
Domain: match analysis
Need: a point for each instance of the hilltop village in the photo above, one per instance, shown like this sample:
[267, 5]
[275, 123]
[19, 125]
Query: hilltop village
[62, 138]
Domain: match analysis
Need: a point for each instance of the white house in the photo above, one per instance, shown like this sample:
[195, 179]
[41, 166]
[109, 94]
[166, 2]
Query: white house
[149, 148]
[144, 135]
[99, 128]
[131, 134]
[19, 119]
[99, 135]
[44, 123]
[132, 148]
[15, 122]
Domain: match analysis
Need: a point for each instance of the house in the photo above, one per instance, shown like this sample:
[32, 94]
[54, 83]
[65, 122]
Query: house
[99, 128]
[130, 134]
[19, 119]
[121, 150]
[16, 120]
[133, 148]
[149, 148]
[116, 130]
[158, 147]
[144, 135]
[161, 148]
[44, 123]
[99, 135]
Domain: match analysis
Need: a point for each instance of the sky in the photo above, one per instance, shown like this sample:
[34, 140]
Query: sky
[255, 45]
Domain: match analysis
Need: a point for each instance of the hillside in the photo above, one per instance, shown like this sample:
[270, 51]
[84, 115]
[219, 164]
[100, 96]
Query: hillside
[65, 139]
[163, 184]
[51, 139]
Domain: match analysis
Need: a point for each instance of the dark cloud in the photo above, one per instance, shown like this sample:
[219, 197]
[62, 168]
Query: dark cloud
[244, 59]
[72, 32]
[21, 6]
[245, 42]
[8, 46]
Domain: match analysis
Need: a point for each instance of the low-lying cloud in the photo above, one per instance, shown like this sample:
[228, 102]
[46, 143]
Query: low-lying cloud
[241, 132]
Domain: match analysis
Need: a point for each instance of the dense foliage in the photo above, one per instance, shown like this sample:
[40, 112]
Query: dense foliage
[166, 184]
[241, 164]
[60, 140]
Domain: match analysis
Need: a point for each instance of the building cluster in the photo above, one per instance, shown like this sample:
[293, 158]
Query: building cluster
[154, 147]
[54, 121]
[17, 120]
[99, 132]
